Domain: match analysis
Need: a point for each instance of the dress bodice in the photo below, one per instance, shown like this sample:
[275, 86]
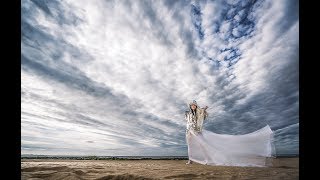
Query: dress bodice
[195, 121]
[191, 122]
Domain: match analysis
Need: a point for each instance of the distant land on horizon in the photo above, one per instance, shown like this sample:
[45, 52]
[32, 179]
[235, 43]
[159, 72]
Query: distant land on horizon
[91, 157]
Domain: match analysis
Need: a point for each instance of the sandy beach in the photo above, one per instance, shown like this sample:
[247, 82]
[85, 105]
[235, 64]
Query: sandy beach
[282, 168]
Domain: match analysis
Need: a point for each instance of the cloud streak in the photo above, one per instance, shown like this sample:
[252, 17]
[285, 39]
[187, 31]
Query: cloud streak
[115, 77]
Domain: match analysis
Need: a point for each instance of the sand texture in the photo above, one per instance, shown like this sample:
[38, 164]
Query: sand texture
[282, 168]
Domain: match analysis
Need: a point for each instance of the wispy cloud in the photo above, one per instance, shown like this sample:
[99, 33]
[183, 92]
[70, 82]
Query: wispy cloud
[114, 77]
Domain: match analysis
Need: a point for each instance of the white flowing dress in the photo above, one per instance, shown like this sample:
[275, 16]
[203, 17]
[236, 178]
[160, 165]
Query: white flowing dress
[206, 147]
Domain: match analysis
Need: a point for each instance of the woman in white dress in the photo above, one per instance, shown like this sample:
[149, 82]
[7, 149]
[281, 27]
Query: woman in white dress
[206, 147]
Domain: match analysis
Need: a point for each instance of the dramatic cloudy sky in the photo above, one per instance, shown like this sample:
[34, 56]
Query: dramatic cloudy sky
[104, 77]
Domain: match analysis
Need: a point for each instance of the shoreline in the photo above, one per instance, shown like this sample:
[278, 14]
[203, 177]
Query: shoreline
[128, 157]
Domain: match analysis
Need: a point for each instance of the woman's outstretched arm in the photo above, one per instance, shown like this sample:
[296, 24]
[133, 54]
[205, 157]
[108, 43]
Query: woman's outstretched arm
[205, 112]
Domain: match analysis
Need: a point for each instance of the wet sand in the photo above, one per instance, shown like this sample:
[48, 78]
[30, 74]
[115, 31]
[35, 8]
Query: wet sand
[282, 168]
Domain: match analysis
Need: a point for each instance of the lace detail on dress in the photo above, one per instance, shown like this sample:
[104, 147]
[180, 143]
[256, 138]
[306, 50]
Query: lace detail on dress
[192, 122]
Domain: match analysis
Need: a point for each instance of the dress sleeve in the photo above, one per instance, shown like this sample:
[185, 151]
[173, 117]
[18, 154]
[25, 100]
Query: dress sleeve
[204, 113]
[186, 115]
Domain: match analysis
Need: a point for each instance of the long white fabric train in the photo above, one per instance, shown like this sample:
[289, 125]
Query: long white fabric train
[206, 147]
[251, 149]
